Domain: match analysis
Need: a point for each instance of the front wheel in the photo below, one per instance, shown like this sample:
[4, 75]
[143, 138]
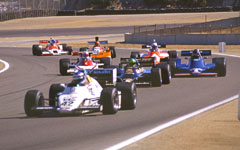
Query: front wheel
[109, 100]
[33, 98]
[128, 95]
[156, 77]
[64, 66]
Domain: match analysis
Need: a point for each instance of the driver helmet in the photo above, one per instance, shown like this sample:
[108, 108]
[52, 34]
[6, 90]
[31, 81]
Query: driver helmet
[132, 62]
[52, 41]
[154, 47]
[85, 54]
[79, 77]
[196, 53]
[97, 44]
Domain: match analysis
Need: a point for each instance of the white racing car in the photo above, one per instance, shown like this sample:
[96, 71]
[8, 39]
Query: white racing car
[52, 47]
[83, 94]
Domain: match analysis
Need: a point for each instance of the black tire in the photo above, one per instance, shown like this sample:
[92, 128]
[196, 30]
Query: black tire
[83, 49]
[64, 66]
[36, 50]
[156, 77]
[128, 95]
[64, 47]
[33, 98]
[173, 54]
[173, 66]
[109, 100]
[165, 72]
[113, 51]
[135, 54]
[69, 49]
[54, 89]
[106, 61]
[221, 68]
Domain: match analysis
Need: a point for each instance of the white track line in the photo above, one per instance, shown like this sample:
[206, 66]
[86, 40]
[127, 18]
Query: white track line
[173, 122]
[6, 66]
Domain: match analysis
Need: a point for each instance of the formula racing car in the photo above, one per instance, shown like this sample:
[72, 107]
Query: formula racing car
[98, 51]
[197, 66]
[67, 67]
[143, 71]
[51, 47]
[84, 94]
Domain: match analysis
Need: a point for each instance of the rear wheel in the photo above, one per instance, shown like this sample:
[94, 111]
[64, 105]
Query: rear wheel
[33, 98]
[135, 54]
[165, 72]
[156, 77]
[172, 54]
[113, 51]
[128, 95]
[54, 89]
[64, 47]
[69, 49]
[172, 63]
[220, 66]
[106, 61]
[64, 66]
[109, 100]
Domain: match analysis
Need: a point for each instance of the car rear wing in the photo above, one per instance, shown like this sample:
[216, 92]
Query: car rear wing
[202, 52]
[106, 77]
[93, 42]
[142, 62]
[149, 46]
[46, 41]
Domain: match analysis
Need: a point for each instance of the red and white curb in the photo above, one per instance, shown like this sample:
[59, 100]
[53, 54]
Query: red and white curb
[6, 66]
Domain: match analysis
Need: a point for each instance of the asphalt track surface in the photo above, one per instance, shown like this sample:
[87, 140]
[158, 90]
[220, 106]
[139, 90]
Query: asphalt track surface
[155, 106]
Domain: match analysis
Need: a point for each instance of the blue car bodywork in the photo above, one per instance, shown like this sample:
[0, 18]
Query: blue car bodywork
[197, 66]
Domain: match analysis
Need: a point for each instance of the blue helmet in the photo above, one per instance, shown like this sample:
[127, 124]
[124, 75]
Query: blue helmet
[79, 76]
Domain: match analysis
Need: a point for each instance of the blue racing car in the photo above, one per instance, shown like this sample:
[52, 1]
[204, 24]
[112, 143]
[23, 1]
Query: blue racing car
[197, 66]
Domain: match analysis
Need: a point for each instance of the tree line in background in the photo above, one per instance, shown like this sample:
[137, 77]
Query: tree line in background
[155, 3]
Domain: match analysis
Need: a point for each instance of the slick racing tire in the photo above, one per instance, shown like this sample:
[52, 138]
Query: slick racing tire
[128, 95]
[64, 66]
[220, 66]
[36, 50]
[33, 98]
[64, 47]
[113, 51]
[109, 100]
[54, 89]
[135, 54]
[156, 77]
[173, 66]
[83, 49]
[106, 61]
[172, 54]
[165, 72]
[69, 49]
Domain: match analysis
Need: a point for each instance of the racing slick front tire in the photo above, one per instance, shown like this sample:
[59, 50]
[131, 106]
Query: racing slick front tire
[128, 95]
[113, 51]
[135, 54]
[54, 89]
[64, 66]
[33, 98]
[172, 54]
[109, 100]
[165, 72]
[156, 77]
[220, 66]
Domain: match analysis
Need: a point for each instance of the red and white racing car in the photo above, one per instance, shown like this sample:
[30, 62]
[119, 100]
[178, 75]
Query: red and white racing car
[51, 47]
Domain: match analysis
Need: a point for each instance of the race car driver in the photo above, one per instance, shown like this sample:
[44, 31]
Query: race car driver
[196, 54]
[52, 44]
[80, 78]
[132, 66]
